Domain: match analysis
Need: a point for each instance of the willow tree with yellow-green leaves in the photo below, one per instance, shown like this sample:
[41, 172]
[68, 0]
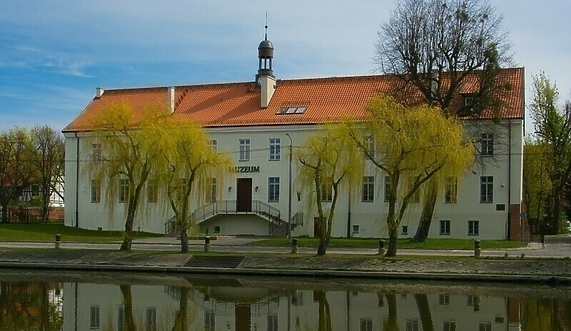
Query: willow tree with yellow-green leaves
[329, 161]
[122, 156]
[411, 146]
[189, 168]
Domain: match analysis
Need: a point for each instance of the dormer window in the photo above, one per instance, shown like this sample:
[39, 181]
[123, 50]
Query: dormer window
[468, 102]
[291, 110]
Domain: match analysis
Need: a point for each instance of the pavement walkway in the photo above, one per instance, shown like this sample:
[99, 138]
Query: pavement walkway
[554, 247]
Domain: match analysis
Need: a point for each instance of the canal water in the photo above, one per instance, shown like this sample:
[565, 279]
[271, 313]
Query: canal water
[32, 300]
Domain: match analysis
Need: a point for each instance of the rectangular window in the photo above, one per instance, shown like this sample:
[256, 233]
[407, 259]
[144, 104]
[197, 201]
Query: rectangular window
[368, 194]
[387, 188]
[273, 322]
[273, 189]
[94, 317]
[95, 191]
[411, 325]
[211, 190]
[123, 190]
[370, 146]
[214, 144]
[327, 189]
[449, 326]
[244, 150]
[486, 189]
[485, 326]
[121, 318]
[444, 299]
[96, 153]
[355, 228]
[274, 149]
[473, 228]
[209, 320]
[151, 319]
[451, 190]
[366, 324]
[444, 227]
[487, 144]
[152, 193]
[405, 229]
[415, 198]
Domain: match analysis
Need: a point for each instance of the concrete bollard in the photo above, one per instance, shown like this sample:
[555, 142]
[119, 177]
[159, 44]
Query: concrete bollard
[294, 245]
[58, 240]
[381, 247]
[477, 248]
[207, 244]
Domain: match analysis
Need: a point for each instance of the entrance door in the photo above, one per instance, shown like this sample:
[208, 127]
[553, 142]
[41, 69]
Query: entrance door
[244, 194]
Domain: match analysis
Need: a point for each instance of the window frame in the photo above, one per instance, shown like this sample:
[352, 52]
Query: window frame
[273, 189]
[211, 189]
[487, 144]
[96, 153]
[486, 189]
[387, 188]
[95, 191]
[473, 228]
[451, 190]
[444, 227]
[123, 190]
[152, 192]
[275, 149]
[327, 189]
[214, 144]
[368, 189]
[244, 149]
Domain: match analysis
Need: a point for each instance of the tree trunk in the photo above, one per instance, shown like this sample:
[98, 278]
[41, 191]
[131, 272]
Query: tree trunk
[184, 240]
[181, 319]
[322, 248]
[393, 238]
[427, 211]
[128, 235]
[324, 319]
[129, 320]
[5, 213]
[392, 322]
[424, 312]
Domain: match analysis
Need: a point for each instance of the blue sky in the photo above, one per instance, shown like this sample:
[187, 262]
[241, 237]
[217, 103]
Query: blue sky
[54, 53]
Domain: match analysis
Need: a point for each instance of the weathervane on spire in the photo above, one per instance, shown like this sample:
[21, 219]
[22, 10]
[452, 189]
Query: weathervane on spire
[266, 34]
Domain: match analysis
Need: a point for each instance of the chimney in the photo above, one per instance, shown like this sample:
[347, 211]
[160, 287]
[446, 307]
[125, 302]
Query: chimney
[171, 98]
[99, 92]
[267, 87]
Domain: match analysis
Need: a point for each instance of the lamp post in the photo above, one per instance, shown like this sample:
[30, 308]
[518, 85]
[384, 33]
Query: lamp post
[288, 231]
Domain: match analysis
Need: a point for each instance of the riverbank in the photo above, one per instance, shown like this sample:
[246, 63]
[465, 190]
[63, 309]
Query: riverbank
[516, 269]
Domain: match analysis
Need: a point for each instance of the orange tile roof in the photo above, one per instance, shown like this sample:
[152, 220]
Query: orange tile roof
[326, 99]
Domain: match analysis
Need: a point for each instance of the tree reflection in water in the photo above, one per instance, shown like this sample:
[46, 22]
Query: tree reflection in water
[272, 304]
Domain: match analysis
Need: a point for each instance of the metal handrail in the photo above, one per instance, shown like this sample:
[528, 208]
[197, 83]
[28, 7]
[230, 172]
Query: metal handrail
[224, 207]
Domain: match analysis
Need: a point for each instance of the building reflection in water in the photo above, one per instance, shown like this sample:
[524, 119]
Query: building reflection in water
[109, 303]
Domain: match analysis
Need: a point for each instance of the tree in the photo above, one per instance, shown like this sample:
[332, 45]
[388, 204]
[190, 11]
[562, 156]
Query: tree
[15, 167]
[329, 160]
[415, 144]
[130, 153]
[187, 166]
[48, 162]
[437, 47]
[536, 182]
[553, 129]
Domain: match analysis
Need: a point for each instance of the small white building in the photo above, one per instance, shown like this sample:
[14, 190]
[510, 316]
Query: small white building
[260, 122]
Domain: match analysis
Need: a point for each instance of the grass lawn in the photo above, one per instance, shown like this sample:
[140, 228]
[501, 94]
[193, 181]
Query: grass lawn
[47, 232]
[402, 243]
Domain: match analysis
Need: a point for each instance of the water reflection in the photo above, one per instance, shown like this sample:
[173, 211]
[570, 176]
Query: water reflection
[129, 302]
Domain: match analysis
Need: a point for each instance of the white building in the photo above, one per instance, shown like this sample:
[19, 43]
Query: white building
[259, 122]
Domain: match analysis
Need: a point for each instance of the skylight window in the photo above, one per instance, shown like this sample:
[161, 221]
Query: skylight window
[291, 110]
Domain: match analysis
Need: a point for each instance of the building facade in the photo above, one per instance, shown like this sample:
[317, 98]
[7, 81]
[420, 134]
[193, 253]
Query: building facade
[260, 123]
